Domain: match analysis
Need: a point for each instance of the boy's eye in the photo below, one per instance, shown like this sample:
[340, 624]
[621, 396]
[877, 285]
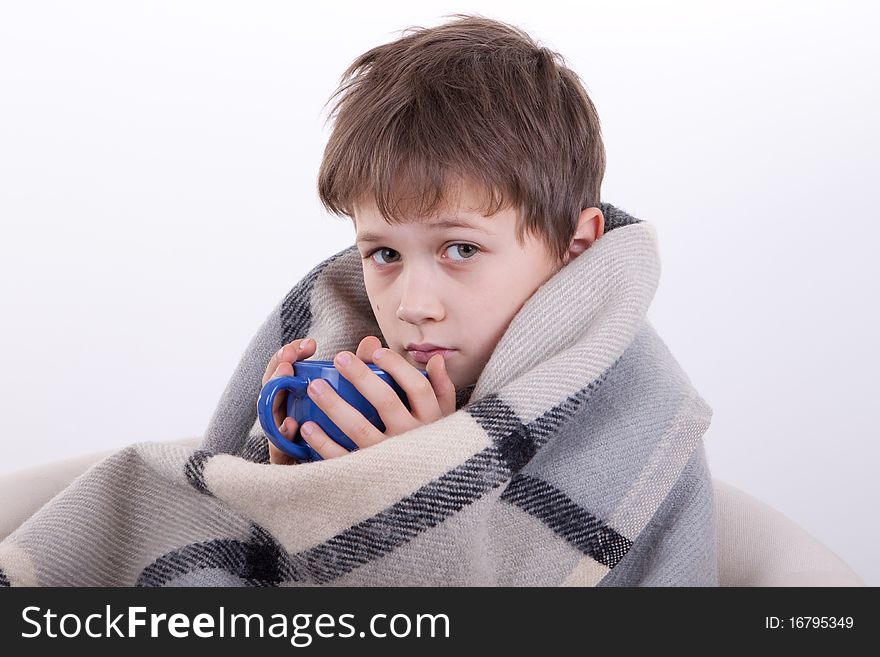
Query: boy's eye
[466, 251]
[383, 252]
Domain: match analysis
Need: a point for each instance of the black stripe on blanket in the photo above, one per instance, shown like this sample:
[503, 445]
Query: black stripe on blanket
[255, 448]
[576, 525]
[400, 523]
[296, 309]
[4, 580]
[511, 438]
[513, 446]
[433, 503]
[195, 470]
[260, 561]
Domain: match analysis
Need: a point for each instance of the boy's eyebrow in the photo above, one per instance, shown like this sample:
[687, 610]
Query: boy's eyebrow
[367, 236]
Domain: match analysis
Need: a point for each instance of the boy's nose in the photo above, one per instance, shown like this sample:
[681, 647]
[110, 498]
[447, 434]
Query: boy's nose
[418, 314]
[419, 300]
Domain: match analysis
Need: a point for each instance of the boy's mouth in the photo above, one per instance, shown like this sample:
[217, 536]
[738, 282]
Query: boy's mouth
[421, 353]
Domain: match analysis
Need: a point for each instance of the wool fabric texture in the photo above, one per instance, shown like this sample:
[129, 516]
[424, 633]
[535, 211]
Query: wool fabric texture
[576, 459]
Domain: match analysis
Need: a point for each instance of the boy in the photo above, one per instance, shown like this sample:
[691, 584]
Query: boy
[556, 441]
[472, 158]
[470, 161]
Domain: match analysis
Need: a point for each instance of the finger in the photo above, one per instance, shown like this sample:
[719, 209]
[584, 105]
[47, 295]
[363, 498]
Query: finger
[277, 457]
[290, 353]
[321, 442]
[288, 430]
[345, 416]
[419, 391]
[279, 404]
[297, 350]
[394, 413]
[443, 386]
[366, 348]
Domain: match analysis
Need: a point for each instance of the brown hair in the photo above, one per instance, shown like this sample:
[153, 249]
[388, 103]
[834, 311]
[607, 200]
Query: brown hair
[472, 99]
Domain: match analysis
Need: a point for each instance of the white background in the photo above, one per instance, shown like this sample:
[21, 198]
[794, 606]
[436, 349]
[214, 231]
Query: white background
[157, 195]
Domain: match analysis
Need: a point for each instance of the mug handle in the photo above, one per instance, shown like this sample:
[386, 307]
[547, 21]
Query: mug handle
[297, 387]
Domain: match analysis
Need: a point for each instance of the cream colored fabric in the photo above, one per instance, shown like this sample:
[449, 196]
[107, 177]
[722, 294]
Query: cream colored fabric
[758, 546]
[23, 492]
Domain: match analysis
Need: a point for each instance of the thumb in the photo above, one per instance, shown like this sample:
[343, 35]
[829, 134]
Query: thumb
[443, 386]
[366, 348]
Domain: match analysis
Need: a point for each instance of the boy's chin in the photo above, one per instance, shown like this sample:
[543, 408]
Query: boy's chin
[459, 380]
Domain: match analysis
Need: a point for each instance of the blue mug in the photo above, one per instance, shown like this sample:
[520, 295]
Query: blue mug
[302, 409]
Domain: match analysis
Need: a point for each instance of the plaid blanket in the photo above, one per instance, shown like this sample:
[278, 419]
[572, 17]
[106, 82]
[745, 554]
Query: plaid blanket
[574, 460]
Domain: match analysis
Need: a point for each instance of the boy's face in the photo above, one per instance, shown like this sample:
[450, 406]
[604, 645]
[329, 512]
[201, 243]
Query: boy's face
[452, 286]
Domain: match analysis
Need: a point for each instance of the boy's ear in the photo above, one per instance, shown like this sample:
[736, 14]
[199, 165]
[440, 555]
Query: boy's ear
[591, 226]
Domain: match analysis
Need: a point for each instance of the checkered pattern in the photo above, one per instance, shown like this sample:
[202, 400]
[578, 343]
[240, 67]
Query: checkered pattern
[568, 452]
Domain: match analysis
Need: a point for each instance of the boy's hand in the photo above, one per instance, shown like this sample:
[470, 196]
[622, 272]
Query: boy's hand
[281, 364]
[429, 400]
